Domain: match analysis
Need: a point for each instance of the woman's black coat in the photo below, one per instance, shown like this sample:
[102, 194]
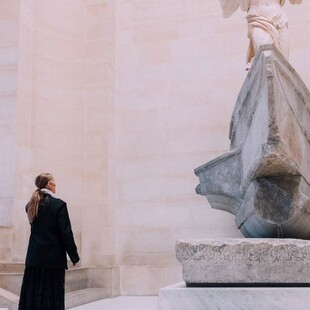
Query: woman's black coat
[51, 236]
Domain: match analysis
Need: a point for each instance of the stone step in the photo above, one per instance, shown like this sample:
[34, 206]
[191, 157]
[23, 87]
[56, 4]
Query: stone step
[73, 299]
[11, 274]
[81, 297]
[8, 300]
[11, 282]
[76, 279]
[12, 267]
[83, 285]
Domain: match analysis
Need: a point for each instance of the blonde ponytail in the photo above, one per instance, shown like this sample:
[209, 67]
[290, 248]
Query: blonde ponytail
[33, 205]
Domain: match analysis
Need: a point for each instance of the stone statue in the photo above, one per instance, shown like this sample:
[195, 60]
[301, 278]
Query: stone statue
[267, 23]
[264, 179]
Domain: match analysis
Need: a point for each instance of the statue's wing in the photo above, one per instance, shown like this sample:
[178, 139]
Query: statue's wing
[229, 7]
[296, 1]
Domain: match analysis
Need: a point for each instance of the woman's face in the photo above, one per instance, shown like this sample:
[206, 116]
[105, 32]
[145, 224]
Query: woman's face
[51, 185]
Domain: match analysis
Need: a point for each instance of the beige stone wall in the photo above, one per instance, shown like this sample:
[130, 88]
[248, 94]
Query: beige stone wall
[66, 117]
[9, 19]
[50, 105]
[121, 100]
[172, 117]
[299, 30]
[99, 230]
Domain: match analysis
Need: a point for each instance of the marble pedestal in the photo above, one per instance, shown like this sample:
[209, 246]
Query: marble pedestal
[236, 274]
[180, 297]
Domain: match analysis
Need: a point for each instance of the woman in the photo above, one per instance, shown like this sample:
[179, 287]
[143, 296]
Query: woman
[50, 239]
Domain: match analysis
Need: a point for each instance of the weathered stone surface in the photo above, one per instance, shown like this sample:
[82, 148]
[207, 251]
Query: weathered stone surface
[179, 297]
[264, 179]
[245, 261]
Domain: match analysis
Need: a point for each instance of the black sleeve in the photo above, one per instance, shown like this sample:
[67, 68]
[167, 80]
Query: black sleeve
[66, 234]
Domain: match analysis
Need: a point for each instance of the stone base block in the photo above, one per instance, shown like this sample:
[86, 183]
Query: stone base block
[180, 297]
[244, 262]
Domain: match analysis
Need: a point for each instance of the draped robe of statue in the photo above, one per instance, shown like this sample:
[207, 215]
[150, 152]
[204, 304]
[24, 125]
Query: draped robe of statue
[271, 19]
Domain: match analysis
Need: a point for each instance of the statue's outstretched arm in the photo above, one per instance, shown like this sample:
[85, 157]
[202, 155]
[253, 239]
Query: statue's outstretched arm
[296, 1]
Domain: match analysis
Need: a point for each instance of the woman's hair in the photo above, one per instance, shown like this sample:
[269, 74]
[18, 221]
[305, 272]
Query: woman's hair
[32, 208]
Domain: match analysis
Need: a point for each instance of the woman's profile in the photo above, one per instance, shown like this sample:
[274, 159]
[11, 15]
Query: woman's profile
[51, 237]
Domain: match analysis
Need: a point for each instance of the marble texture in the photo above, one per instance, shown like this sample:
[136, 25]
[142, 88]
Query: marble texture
[244, 261]
[179, 297]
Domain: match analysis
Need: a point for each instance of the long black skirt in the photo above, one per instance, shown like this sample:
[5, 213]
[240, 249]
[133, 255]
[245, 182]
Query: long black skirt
[42, 289]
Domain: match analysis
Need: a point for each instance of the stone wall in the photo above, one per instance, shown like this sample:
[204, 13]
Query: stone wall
[66, 117]
[121, 100]
[172, 116]
[9, 21]
[50, 105]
